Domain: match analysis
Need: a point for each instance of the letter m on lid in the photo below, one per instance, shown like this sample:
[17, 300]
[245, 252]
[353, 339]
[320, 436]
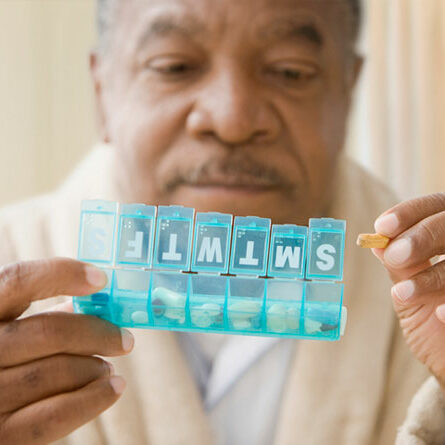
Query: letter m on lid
[287, 257]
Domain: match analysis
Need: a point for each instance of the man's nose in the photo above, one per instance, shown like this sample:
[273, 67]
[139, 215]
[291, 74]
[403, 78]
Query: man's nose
[231, 108]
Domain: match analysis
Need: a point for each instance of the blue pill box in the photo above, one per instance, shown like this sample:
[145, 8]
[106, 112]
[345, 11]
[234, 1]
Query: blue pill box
[170, 269]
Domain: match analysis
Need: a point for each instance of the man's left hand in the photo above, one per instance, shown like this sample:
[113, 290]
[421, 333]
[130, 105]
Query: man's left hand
[417, 232]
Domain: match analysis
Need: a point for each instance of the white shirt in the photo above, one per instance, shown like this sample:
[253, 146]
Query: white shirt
[241, 379]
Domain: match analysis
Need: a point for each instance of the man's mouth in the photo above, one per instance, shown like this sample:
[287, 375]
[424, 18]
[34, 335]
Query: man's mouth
[230, 177]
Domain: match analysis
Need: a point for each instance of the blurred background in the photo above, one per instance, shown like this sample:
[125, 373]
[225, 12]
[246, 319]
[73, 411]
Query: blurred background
[47, 123]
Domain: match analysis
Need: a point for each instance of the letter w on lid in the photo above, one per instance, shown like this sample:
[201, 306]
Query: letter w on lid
[326, 249]
[173, 241]
[212, 242]
[250, 244]
[287, 257]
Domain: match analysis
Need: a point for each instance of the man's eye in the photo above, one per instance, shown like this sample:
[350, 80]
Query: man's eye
[293, 75]
[176, 68]
[170, 67]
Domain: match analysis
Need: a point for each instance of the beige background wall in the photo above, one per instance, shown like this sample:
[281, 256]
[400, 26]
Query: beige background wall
[47, 119]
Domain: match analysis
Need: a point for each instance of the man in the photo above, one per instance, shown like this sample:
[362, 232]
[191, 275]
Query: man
[231, 106]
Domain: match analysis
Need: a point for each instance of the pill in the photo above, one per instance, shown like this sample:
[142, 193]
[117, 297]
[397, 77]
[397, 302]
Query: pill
[201, 319]
[139, 317]
[293, 318]
[312, 326]
[169, 304]
[249, 308]
[373, 240]
[241, 324]
[276, 317]
[205, 315]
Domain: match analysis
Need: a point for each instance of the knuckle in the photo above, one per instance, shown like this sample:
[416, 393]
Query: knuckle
[32, 378]
[438, 197]
[425, 236]
[12, 277]
[432, 280]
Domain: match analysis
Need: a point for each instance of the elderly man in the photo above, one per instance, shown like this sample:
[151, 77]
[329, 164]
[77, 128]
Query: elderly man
[237, 106]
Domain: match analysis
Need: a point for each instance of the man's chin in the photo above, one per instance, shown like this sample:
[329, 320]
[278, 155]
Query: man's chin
[270, 202]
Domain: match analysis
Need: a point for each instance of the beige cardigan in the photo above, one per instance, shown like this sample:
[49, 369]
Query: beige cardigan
[352, 392]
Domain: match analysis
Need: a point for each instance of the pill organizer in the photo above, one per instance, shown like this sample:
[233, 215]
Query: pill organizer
[171, 268]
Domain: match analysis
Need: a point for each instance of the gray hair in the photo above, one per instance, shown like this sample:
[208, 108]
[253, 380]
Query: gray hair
[106, 16]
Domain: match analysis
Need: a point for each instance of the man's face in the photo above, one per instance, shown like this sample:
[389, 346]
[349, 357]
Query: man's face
[237, 106]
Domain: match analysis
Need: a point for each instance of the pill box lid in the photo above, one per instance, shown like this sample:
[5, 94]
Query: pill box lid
[176, 212]
[289, 229]
[327, 224]
[214, 218]
[253, 222]
[138, 210]
[99, 206]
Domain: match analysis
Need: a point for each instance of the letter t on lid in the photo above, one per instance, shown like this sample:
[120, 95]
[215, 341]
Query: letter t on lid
[250, 245]
[173, 240]
[326, 249]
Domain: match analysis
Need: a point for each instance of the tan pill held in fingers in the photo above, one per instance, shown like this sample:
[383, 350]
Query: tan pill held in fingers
[373, 241]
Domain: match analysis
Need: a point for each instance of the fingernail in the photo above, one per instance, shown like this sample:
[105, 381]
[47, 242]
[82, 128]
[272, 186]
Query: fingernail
[440, 313]
[387, 224]
[404, 290]
[398, 252]
[118, 384]
[127, 340]
[95, 277]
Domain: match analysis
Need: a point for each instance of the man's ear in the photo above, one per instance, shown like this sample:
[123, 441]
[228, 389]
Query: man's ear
[96, 76]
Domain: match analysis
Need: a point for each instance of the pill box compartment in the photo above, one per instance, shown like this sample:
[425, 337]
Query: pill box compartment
[168, 298]
[284, 302]
[322, 309]
[130, 297]
[98, 304]
[207, 294]
[245, 304]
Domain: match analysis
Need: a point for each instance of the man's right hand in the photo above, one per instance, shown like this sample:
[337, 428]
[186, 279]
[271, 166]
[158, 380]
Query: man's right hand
[50, 380]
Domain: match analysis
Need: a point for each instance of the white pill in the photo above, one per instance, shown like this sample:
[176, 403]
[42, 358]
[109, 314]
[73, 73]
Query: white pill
[139, 317]
[276, 317]
[168, 297]
[248, 307]
[293, 318]
[312, 326]
[201, 319]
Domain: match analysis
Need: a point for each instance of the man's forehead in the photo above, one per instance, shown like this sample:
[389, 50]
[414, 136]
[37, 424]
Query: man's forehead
[266, 18]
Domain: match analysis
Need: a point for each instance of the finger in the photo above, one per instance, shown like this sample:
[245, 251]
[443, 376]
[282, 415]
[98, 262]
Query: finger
[53, 333]
[421, 288]
[397, 275]
[22, 283]
[418, 244]
[53, 418]
[406, 214]
[25, 384]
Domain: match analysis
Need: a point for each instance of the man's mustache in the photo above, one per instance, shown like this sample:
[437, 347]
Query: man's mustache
[230, 172]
